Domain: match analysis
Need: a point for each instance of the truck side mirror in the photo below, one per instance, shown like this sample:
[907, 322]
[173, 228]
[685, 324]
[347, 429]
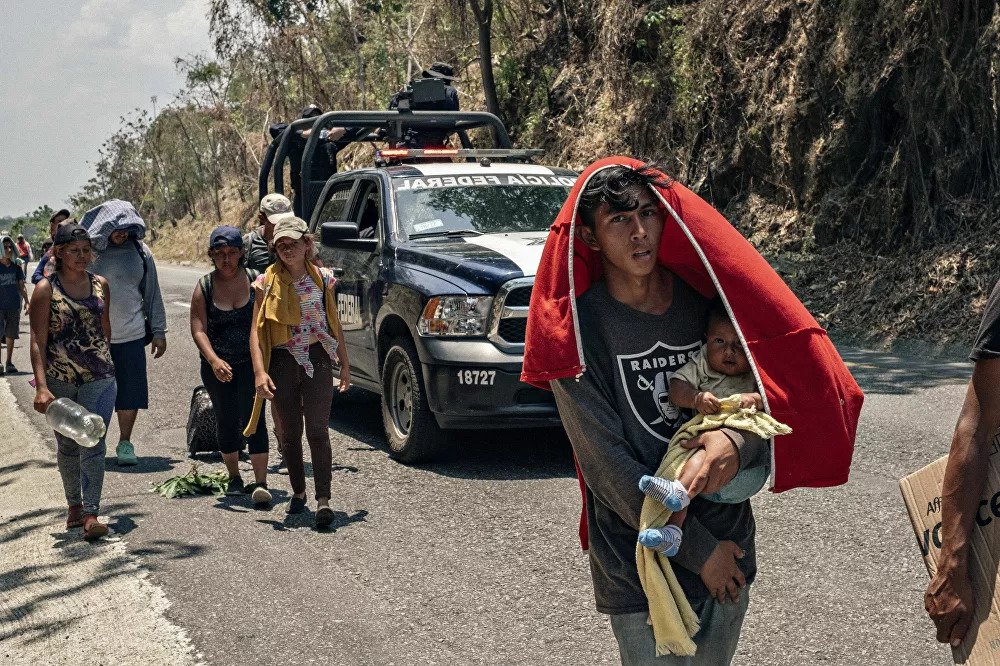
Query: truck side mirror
[345, 235]
[331, 232]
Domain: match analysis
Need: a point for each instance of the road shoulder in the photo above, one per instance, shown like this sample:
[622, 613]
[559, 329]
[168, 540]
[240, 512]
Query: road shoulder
[63, 600]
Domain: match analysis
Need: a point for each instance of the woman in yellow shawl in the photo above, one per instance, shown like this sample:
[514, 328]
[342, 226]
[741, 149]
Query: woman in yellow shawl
[293, 344]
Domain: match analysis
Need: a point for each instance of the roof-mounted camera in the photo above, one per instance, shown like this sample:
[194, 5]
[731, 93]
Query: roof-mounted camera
[423, 95]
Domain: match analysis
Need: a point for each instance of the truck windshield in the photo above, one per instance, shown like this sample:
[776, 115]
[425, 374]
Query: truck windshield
[456, 205]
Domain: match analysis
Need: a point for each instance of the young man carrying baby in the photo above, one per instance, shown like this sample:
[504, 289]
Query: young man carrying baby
[639, 324]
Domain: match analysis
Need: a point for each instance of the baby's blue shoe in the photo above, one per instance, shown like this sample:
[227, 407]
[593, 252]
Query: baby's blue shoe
[666, 540]
[670, 494]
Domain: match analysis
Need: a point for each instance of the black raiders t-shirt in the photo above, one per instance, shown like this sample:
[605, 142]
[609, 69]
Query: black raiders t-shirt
[620, 419]
[987, 344]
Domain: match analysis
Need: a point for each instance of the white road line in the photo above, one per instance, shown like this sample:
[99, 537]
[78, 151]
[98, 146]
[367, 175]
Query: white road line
[183, 305]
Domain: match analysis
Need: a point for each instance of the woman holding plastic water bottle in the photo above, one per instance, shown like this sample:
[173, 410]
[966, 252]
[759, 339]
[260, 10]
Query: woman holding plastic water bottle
[71, 358]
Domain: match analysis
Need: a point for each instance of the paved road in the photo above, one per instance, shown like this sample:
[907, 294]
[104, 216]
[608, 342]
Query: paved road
[475, 559]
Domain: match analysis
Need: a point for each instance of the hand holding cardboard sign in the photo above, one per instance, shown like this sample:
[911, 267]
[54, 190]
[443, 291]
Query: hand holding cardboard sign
[950, 602]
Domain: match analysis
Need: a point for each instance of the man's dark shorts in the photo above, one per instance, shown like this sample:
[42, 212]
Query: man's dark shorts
[130, 372]
[9, 320]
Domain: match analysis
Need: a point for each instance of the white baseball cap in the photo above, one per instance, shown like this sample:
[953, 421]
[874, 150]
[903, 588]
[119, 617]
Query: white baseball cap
[276, 207]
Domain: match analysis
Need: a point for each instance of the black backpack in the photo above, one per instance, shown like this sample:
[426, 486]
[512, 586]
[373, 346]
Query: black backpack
[202, 426]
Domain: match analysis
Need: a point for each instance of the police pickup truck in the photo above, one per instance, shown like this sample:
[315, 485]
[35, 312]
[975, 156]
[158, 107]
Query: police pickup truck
[435, 261]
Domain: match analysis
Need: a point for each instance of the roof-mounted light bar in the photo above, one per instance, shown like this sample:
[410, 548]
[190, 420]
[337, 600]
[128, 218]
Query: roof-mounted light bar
[492, 153]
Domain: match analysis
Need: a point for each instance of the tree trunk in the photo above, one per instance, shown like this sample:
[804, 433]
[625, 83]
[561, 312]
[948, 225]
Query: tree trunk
[484, 20]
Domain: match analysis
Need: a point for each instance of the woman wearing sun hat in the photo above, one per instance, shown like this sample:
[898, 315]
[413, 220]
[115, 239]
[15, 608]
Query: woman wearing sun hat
[293, 344]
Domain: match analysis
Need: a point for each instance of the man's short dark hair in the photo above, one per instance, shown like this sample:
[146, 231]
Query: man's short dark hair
[614, 186]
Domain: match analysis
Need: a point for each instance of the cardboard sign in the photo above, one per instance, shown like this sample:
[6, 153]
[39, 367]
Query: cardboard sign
[922, 495]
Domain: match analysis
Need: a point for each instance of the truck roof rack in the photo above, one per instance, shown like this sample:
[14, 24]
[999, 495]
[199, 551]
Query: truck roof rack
[365, 126]
[384, 155]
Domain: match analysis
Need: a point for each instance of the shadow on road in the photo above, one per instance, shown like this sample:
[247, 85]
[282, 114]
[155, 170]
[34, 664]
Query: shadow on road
[243, 503]
[25, 523]
[881, 372]
[536, 453]
[168, 549]
[307, 520]
[358, 414]
[147, 464]
[27, 464]
[29, 589]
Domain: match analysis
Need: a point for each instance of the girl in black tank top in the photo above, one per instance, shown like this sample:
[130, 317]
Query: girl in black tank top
[223, 338]
[228, 330]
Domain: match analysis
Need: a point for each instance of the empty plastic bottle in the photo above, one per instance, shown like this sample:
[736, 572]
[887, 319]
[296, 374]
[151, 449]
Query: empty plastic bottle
[71, 420]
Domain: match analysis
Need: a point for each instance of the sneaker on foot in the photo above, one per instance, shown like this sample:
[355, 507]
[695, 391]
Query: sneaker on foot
[324, 516]
[297, 504]
[260, 496]
[670, 494]
[666, 540]
[10, 367]
[125, 452]
[235, 486]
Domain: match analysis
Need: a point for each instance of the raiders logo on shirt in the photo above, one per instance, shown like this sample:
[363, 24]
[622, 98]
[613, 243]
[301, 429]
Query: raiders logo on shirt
[646, 379]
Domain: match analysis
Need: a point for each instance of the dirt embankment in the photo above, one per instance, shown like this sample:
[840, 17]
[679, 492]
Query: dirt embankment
[857, 144]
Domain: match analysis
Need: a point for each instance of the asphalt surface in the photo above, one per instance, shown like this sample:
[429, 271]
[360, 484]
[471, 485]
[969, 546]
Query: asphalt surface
[475, 559]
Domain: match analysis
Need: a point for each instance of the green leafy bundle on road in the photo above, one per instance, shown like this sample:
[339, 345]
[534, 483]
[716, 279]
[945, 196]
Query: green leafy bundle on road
[193, 483]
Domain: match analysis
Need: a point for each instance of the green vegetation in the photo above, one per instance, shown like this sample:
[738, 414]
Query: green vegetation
[34, 225]
[824, 132]
[193, 483]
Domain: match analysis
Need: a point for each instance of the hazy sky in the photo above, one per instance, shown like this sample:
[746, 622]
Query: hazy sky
[69, 69]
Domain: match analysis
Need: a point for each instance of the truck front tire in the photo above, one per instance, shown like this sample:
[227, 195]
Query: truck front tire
[410, 428]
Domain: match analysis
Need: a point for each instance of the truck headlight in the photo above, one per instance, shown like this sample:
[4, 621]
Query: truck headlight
[455, 315]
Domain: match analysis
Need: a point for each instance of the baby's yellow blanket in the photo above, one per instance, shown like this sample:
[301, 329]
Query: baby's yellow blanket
[674, 621]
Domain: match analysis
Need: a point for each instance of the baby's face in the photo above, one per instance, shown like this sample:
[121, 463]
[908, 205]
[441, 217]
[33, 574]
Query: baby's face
[725, 353]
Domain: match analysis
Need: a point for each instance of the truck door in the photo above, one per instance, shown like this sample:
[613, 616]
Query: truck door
[335, 199]
[359, 290]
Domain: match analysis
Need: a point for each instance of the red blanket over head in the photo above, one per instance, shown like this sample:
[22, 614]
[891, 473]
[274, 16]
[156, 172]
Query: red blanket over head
[805, 382]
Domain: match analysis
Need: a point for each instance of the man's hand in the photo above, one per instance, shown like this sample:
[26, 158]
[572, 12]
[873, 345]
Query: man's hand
[720, 574]
[706, 403]
[949, 601]
[158, 347]
[722, 461]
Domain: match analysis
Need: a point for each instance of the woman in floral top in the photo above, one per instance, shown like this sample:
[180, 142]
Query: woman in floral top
[298, 377]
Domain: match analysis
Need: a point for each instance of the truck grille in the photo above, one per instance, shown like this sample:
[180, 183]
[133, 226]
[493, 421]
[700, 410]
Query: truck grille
[510, 315]
[512, 330]
[519, 297]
